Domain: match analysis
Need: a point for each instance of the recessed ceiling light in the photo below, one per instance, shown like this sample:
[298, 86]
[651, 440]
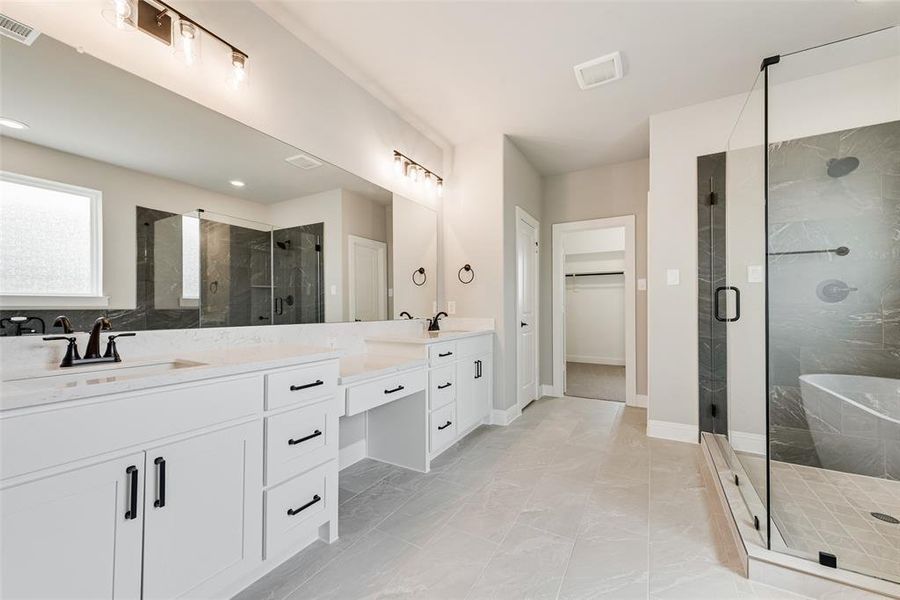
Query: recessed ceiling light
[237, 183]
[12, 123]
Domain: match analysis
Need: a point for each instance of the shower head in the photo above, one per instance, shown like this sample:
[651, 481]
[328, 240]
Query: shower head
[284, 245]
[838, 167]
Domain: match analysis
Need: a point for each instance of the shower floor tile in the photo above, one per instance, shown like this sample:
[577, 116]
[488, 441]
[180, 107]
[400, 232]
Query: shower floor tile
[820, 510]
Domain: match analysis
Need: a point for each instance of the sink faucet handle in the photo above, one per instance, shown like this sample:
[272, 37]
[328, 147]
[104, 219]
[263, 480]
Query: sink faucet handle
[111, 350]
[71, 350]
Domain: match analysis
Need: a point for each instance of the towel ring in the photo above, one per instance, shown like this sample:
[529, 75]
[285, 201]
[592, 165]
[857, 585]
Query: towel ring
[468, 269]
[419, 271]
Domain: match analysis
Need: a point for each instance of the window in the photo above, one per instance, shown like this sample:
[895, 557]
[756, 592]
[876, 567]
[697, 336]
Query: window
[190, 260]
[50, 241]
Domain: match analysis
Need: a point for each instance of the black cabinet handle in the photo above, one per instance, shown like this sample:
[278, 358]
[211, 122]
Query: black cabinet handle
[445, 354]
[396, 389]
[445, 425]
[293, 511]
[160, 463]
[315, 434]
[131, 513]
[317, 382]
[477, 369]
[523, 324]
[445, 386]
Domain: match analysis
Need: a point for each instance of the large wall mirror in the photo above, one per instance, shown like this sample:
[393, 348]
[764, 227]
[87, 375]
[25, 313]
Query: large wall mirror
[121, 198]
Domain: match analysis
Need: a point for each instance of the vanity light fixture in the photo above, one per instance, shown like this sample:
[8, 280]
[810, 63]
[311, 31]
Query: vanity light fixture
[416, 173]
[237, 183]
[12, 123]
[169, 26]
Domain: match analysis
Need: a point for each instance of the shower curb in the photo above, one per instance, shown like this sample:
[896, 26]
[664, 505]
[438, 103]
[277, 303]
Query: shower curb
[776, 569]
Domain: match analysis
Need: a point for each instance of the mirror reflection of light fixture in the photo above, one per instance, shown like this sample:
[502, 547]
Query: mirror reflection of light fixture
[186, 40]
[121, 14]
[237, 80]
[439, 187]
[398, 164]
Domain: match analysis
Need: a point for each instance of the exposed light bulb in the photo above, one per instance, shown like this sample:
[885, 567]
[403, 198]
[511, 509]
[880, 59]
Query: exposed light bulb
[187, 42]
[429, 182]
[439, 186]
[120, 13]
[416, 173]
[398, 165]
[238, 78]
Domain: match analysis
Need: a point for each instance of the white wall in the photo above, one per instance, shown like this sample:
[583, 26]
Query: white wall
[123, 190]
[293, 93]
[604, 191]
[830, 101]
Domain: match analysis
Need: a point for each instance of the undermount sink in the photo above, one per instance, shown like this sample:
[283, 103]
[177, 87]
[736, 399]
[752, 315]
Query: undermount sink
[94, 374]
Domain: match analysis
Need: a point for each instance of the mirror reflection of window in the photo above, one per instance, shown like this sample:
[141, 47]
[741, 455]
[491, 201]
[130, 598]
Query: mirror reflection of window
[190, 258]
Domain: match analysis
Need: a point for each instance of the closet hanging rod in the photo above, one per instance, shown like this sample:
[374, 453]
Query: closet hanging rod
[595, 273]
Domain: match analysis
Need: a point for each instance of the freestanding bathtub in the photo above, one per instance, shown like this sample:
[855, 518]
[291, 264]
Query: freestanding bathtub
[855, 422]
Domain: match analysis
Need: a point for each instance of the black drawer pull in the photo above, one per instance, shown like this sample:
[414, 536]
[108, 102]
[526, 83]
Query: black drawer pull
[445, 425]
[445, 386]
[445, 354]
[131, 513]
[296, 388]
[315, 434]
[160, 463]
[396, 389]
[294, 511]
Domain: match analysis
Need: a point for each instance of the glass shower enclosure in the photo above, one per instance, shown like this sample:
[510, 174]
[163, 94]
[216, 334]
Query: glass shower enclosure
[803, 293]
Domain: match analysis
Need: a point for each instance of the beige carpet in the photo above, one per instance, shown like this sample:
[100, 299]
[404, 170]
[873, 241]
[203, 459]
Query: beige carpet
[601, 382]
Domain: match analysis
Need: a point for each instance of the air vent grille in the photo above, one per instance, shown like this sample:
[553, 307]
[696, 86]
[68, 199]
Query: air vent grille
[599, 71]
[304, 161]
[17, 30]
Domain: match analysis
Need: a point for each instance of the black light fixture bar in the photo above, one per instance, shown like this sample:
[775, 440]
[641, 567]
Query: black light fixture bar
[166, 8]
[413, 163]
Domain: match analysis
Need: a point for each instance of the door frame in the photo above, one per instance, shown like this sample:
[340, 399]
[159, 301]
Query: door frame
[559, 295]
[381, 247]
[523, 215]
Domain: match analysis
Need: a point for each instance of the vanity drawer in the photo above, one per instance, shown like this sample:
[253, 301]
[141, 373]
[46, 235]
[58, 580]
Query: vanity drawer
[473, 346]
[296, 506]
[442, 386]
[442, 353]
[302, 384]
[365, 396]
[443, 428]
[299, 439]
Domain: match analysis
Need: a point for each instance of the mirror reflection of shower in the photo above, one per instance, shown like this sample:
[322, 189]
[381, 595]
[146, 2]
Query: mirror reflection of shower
[839, 167]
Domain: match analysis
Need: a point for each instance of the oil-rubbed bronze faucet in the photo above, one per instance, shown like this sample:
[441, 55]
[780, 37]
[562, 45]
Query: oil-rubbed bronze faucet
[92, 351]
[433, 324]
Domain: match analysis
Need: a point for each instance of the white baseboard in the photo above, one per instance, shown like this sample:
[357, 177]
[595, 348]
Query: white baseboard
[641, 401]
[595, 360]
[353, 453]
[667, 430]
[505, 417]
[550, 390]
[754, 443]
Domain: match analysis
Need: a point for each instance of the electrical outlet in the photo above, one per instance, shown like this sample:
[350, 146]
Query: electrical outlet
[334, 290]
[451, 307]
[642, 284]
[673, 277]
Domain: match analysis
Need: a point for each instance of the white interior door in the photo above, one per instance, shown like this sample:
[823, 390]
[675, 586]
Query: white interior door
[368, 279]
[526, 307]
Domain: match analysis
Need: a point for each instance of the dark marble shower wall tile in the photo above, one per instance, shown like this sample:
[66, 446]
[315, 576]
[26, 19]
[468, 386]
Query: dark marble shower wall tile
[786, 408]
[892, 460]
[793, 446]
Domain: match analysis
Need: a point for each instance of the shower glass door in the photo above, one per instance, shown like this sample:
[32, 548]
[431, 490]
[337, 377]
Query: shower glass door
[833, 212]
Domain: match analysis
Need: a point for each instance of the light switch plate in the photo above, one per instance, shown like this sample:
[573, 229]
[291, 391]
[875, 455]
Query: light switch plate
[673, 277]
[755, 274]
[642, 284]
[334, 290]
[451, 307]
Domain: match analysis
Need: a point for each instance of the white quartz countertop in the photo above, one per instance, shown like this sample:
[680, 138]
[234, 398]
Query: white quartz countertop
[53, 384]
[429, 337]
[361, 367]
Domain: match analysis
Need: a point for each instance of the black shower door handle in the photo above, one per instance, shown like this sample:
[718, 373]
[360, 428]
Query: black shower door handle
[737, 304]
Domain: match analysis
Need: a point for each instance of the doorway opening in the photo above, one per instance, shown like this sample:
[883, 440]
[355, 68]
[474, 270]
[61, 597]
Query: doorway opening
[594, 309]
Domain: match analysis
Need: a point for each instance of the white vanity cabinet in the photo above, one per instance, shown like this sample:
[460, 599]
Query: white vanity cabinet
[160, 493]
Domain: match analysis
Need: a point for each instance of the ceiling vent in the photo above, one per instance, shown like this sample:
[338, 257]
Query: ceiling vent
[304, 161]
[599, 71]
[17, 30]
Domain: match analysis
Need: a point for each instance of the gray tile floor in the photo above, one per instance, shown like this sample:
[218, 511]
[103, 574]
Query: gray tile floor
[601, 382]
[570, 501]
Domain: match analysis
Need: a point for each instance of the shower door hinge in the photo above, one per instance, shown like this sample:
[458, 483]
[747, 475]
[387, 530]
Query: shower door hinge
[318, 247]
[713, 410]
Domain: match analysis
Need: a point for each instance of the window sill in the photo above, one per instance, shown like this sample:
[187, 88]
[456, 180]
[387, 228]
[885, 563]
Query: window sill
[51, 302]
